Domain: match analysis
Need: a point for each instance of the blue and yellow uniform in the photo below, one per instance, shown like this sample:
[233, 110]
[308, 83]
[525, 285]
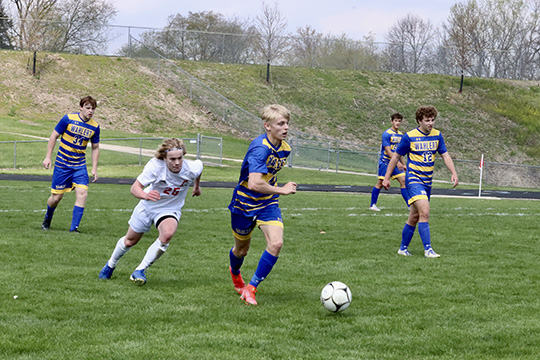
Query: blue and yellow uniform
[421, 149]
[70, 165]
[249, 208]
[389, 138]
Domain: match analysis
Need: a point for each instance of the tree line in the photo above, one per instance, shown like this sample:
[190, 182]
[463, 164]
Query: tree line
[483, 38]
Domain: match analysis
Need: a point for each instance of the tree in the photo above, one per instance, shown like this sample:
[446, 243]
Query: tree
[62, 25]
[271, 38]
[81, 26]
[31, 22]
[5, 26]
[305, 47]
[409, 42]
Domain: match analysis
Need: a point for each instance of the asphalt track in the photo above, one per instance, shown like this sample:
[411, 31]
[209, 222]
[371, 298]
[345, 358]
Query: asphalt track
[532, 195]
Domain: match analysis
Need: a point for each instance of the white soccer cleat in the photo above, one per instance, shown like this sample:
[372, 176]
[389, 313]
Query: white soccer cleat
[404, 252]
[429, 253]
[374, 208]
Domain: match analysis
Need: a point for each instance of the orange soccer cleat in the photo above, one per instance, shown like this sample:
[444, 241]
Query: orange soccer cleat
[248, 295]
[238, 282]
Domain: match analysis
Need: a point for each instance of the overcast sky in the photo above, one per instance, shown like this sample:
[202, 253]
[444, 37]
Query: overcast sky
[356, 18]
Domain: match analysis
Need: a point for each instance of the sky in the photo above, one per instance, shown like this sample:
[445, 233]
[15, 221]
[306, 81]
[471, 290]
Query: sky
[355, 18]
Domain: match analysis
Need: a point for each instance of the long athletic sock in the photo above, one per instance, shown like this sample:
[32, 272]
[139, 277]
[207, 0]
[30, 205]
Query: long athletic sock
[236, 263]
[50, 212]
[406, 236]
[153, 253]
[405, 195]
[423, 230]
[375, 195]
[76, 218]
[119, 251]
[266, 263]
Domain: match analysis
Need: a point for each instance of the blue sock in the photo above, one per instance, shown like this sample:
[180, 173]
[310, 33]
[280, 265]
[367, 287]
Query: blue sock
[406, 236]
[236, 263]
[266, 263]
[423, 230]
[405, 195]
[375, 195]
[50, 212]
[76, 218]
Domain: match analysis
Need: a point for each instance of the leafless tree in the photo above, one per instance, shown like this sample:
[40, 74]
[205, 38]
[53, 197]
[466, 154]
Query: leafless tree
[6, 25]
[409, 43]
[305, 47]
[271, 39]
[80, 26]
[31, 22]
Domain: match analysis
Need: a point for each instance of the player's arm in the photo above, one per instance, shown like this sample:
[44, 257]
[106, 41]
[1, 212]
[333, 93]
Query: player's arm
[450, 165]
[197, 186]
[95, 159]
[257, 183]
[50, 147]
[391, 166]
[137, 189]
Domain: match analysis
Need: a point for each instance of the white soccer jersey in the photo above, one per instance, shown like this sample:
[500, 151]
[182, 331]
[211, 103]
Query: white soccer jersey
[172, 187]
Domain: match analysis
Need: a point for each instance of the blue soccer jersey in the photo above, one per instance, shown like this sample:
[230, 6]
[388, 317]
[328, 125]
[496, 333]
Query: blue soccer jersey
[389, 138]
[261, 157]
[421, 149]
[75, 136]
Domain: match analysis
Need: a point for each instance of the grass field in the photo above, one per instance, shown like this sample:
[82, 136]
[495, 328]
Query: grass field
[478, 301]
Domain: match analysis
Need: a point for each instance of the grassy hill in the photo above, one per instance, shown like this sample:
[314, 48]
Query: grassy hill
[498, 118]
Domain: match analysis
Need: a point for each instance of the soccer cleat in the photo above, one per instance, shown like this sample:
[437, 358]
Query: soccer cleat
[138, 277]
[106, 272]
[248, 295]
[429, 253]
[46, 224]
[374, 208]
[238, 282]
[75, 231]
[404, 252]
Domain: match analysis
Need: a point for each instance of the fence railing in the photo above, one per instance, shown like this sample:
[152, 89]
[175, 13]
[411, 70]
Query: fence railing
[324, 156]
[118, 151]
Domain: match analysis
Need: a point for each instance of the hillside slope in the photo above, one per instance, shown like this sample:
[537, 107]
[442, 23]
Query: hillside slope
[498, 118]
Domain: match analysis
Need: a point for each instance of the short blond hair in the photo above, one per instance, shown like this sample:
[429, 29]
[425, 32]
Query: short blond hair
[271, 113]
[168, 145]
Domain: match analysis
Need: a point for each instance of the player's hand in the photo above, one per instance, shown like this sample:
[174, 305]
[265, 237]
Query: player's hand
[289, 188]
[47, 163]
[386, 184]
[153, 195]
[455, 181]
[197, 191]
[95, 175]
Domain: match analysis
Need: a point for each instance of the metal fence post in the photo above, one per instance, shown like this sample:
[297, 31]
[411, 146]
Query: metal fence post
[15, 156]
[337, 161]
[199, 139]
[140, 151]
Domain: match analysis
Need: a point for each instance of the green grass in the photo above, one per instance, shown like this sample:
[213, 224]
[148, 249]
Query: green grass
[478, 301]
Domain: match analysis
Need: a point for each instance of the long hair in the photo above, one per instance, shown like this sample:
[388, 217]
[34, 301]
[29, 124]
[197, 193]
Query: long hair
[168, 145]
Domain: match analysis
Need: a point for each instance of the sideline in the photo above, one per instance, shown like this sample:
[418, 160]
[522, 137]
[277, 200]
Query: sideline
[464, 193]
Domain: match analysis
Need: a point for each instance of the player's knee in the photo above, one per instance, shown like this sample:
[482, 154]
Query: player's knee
[275, 246]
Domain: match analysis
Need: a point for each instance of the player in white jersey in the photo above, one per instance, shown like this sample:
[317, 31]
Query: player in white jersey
[162, 188]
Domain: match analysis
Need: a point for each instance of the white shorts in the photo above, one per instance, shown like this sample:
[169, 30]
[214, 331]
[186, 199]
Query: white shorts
[141, 219]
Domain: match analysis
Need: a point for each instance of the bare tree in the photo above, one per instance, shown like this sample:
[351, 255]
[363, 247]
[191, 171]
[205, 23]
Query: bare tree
[81, 26]
[305, 47]
[271, 38]
[409, 42]
[31, 22]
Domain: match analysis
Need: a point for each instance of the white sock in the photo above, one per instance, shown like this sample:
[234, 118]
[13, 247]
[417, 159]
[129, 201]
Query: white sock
[118, 252]
[153, 253]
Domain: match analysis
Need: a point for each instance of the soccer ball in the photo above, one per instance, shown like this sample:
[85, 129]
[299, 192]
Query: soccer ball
[336, 296]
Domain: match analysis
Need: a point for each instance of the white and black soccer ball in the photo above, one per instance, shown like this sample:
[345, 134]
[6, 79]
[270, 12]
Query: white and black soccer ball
[336, 296]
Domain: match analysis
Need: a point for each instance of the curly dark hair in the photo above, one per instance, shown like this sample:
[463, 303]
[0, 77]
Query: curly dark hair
[425, 111]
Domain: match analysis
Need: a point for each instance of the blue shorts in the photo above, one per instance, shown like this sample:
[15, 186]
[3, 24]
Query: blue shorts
[65, 179]
[242, 226]
[395, 174]
[418, 192]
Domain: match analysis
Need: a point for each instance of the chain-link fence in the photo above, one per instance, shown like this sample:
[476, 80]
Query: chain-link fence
[119, 151]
